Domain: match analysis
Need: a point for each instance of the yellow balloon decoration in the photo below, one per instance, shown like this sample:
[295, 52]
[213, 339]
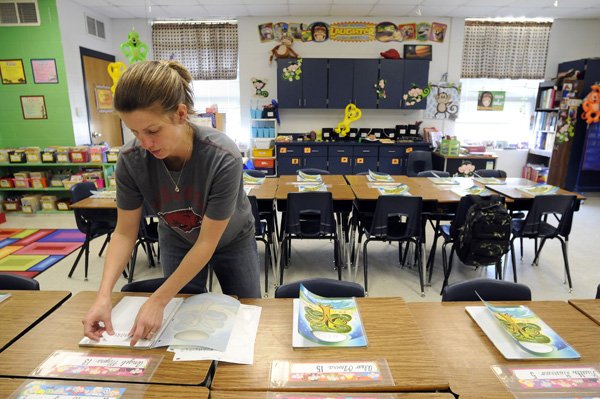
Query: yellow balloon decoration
[352, 114]
[134, 49]
[115, 70]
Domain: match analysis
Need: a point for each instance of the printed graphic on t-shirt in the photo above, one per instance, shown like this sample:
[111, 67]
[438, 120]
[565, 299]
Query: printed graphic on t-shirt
[184, 220]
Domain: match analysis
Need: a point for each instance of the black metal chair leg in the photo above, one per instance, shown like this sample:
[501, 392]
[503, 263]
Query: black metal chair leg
[365, 265]
[537, 254]
[566, 259]
[77, 259]
[513, 259]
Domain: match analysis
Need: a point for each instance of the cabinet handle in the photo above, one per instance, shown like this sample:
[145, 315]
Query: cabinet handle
[366, 151]
[341, 151]
[299, 103]
[305, 102]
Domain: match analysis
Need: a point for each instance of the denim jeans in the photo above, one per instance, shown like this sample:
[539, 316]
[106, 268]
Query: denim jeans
[236, 265]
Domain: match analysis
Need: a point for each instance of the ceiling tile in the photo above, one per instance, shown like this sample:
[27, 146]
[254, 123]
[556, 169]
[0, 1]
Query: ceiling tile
[93, 3]
[351, 11]
[113, 12]
[265, 10]
[351, 2]
[491, 3]
[473, 12]
[438, 11]
[399, 2]
[175, 3]
[430, 3]
[391, 10]
[226, 10]
[185, 12]
[311, 10]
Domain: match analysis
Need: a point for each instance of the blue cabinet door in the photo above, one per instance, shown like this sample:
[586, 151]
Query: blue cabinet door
[416, 74]
[364, 164]
[289, 93]
[314, 83]
[318, 162]
[392, 72]
[394, 165]
[288, 165]
[366, 75]
[341, 77]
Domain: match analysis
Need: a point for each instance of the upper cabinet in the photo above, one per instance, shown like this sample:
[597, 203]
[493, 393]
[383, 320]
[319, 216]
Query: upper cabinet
[333, 83]
[302, 85]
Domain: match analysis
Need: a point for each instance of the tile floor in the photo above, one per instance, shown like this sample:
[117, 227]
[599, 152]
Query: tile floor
[312, 258]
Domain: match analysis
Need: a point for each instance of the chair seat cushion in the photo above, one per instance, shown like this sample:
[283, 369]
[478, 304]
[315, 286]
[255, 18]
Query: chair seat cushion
[545, 229]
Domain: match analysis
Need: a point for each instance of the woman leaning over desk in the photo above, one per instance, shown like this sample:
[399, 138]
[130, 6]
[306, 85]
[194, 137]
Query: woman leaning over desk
[191, 177]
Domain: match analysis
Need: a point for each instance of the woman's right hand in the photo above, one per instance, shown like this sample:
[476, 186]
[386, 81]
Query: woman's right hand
[98, 319]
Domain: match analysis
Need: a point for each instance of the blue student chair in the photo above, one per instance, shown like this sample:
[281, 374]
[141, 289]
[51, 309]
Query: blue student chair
[314, 171]
[323, 287]
[152, 285]
[497, 173]
[488, 290]
[418, 161]
[433, 173]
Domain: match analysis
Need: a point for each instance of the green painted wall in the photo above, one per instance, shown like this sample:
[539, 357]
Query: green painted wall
[25, 43]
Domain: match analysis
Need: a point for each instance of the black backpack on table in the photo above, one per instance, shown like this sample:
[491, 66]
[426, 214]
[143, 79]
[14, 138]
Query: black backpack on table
[485, 236]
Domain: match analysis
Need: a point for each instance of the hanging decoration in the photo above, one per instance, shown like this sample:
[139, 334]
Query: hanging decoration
[443, 101]
[293, 71]
[259, 85]
[134, 49]
[415, 95]
[380, 88]
[115, 70]
[283, 49]
[353, 31]
[351, 114]
[466, 169]
[591, 106]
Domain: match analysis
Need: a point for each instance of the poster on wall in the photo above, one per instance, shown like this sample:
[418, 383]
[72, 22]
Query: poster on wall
[418, 52]
[104, 99]
[12, 72]
[490, 100]
[33, 107]
[44, 71]
[444, 101]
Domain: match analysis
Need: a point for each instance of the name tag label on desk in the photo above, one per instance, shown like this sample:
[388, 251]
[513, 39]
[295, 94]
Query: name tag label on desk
[65, 364]
[580, 379]
[331, 374]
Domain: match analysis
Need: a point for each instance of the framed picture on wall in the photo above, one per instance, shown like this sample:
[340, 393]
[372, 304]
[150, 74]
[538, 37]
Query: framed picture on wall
[33, 107]
[44, 71]
[104, 99]
[417, 52]
[12, 72]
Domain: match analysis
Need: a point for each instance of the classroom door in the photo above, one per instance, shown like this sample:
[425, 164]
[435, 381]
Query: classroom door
[104, 124]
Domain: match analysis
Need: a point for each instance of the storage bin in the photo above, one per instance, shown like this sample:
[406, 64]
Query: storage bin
[17, 156]
[264, 162]
[113, 155]
[98, 154]
[4, 156]
[33, 155]
[57, 180]
[22, 183]
[49, 155]
[63, 205]
[31, 203]
[7, 182]
[264, 144]
[49, 202]
[21, 175]
[259, 152]
[62, 154]
[80, 155]
[12, 204]
[39, 182]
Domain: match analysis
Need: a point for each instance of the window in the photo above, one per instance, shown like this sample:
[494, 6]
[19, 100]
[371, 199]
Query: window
[226, 94]
[512, 124]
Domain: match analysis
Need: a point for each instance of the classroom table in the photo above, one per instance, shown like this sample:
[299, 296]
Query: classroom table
[466, 355]
[264, 191]
[344, 395]
[327, 179]
[589, 307]
[62, 330]
[391, 332]
[95, 203]
[137, 391]
[23, 310]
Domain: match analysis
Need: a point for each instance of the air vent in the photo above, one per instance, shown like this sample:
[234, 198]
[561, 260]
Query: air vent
[95, 27]
[19, 13]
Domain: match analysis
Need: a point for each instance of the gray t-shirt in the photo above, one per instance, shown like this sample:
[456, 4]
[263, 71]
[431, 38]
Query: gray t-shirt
[210, 184]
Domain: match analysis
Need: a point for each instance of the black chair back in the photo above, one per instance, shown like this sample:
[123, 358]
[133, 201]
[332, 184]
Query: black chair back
[550, 216]
[418, 161]
[258, 225]
[314, 171]
[323, 287]
[79, 192]
[497, 173]
[15, 282]
[397, 217]
[433, 173]
[103, 220]
[488, 290]
[309, 214]
[255, 173]
[153, 284]
[598, 292]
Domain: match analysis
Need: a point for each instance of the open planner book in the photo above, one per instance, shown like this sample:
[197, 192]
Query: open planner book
[518, 333]
[322, 322]
[200, 320]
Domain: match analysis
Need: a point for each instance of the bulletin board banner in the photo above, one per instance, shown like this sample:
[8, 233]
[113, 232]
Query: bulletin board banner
[352, 31]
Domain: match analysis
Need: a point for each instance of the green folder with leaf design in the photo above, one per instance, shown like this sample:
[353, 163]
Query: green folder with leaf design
[326, 322]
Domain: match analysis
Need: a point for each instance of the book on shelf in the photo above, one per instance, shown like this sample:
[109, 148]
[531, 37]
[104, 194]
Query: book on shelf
[518, 333]
[199, 320]
[326, 322]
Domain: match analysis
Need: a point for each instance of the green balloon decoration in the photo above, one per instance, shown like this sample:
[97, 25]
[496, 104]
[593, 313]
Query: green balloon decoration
[134, 49]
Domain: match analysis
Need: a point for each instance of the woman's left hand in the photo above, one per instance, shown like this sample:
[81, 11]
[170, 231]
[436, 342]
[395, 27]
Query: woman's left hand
[148, 321]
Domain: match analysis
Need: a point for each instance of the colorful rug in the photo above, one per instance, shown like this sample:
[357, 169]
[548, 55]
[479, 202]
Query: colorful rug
[29, 252]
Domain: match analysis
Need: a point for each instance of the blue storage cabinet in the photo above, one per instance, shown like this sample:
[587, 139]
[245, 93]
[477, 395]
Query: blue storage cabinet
[341, 159]
[416, 73]
[341, 78]
[392, 71]
[391, 159]
[310, 91]
[365, 158]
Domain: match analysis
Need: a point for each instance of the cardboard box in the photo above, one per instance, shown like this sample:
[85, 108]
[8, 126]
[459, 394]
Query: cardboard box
[31, 203]
[49, 202]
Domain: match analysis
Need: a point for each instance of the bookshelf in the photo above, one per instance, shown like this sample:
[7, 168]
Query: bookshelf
[544, 126]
